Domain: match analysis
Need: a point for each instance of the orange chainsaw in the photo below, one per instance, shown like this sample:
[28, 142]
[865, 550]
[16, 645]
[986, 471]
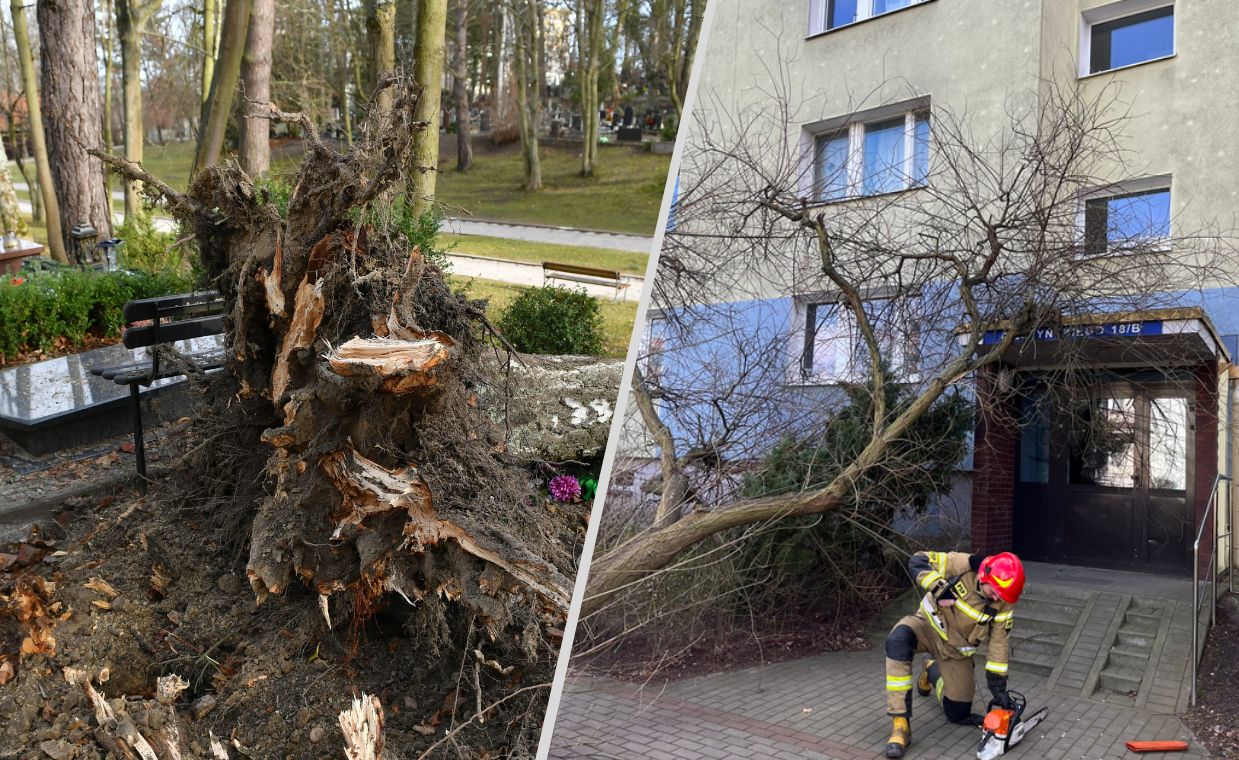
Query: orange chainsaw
[1002, 729]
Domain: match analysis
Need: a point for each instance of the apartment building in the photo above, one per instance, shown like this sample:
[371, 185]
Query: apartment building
[870, 78]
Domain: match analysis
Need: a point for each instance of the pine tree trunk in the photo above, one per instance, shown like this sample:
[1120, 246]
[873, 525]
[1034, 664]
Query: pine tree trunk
[223, 84]
[71, 92]
[47, 190]
[428, 72]
[256, 75]
[464, 129]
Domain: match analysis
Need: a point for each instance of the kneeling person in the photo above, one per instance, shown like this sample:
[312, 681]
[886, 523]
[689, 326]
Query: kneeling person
[968, 600]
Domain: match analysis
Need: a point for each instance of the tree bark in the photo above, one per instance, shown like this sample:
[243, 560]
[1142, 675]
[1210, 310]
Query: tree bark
[528, 78]
[460, 89]
[131, 19]
[71, 92]
[256, 75]
[47, 190]
[223, 84]
[109, 42]
[590, 68]
[210, 35]
[381, 33]
[428, 71]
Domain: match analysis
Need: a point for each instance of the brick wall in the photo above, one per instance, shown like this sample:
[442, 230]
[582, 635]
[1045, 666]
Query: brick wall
[1206, 441]
[993, 478]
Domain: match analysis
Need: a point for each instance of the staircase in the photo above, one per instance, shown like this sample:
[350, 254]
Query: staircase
[1130, 656]
[1044, 628]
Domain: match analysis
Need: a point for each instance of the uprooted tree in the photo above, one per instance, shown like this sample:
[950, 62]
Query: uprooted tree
[363, 371]
[920, 289]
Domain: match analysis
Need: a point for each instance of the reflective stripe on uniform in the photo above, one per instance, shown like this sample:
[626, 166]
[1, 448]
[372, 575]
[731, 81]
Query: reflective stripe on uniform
[1003, 617]
[967, 651]
[930, 578]
[973, 612]
[999, 668]
[898, 683]
[937, 560]
[934, 620]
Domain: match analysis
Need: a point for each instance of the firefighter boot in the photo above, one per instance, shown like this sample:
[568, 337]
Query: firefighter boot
[901, 737]
[923, 684]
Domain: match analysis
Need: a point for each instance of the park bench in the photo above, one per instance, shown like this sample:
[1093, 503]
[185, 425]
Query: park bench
[151, 322]
[610, 278]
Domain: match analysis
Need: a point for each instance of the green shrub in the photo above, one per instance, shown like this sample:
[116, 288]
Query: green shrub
[49, 310]
[278, 190]
[148, 249]
[554, 320]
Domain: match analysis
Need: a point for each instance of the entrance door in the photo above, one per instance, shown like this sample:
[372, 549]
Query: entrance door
[1105, 483]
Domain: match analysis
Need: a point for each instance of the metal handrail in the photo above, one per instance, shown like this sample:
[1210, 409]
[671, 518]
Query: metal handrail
[1212, 574]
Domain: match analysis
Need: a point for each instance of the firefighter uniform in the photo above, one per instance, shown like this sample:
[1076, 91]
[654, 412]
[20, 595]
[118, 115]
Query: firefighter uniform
[949, 634]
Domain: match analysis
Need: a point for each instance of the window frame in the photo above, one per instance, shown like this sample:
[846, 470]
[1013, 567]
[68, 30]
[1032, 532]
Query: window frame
[855, 128]
[820, 13]
[1127, 189]
[1123, 10]
[803, 343]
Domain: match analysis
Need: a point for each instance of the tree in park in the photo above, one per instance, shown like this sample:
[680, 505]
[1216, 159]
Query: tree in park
[356, 380]
[527, 17]
[71, 92]
[43, 170]
[428, 68]
[989, 238]
[460, 89]
[591, 19]
[226, 71]
[132, 17]
[256, 78]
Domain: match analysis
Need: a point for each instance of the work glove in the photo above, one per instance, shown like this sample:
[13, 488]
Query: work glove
[998, 687]
[941, 591]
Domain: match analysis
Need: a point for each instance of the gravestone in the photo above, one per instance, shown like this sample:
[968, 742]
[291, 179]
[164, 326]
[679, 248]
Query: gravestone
[629, 114]
[629, 134]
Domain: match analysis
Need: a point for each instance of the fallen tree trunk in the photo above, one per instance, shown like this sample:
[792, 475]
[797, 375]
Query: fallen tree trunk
[364, 370]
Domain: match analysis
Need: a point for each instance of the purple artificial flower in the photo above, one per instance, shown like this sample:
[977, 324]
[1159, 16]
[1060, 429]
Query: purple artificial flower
[564, 488]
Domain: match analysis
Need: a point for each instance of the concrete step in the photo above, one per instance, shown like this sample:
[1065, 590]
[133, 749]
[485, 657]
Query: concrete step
[1121, 680]
[1039, 644]
[1033, 662]
[1141, 621]
[1034, 622]
[1049, 607]
[1134, 638]
[1136, 658]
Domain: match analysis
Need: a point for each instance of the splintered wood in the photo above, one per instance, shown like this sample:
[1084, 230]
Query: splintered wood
[402, 366]
[362, 725]
[368, 488]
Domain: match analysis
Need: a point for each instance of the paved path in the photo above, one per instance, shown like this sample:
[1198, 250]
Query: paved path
[534, 233]
[827, 706]
[513, 272]
[523, 273]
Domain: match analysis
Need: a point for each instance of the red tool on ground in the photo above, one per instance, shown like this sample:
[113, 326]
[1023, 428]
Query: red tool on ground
[1165, 746]
[1003, 729]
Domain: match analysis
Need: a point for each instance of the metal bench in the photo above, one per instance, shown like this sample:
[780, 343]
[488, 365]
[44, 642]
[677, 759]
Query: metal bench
[611, 278]
[150, 322]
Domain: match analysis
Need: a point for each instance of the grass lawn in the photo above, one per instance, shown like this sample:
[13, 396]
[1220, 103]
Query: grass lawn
[520, 250]
[617, 318]
[624, 197]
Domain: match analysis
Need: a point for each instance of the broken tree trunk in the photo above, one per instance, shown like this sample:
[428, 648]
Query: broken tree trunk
[384, 474]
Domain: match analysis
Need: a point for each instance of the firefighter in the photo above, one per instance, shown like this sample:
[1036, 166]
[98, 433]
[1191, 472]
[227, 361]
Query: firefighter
[968, 600]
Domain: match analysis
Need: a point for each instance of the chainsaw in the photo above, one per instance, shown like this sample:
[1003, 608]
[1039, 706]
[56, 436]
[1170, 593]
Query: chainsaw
[1002, 729]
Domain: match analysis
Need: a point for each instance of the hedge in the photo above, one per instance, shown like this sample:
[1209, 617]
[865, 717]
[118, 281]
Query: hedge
[45, 310]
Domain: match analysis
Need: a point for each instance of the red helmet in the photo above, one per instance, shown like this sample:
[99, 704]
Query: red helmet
[1005, 573]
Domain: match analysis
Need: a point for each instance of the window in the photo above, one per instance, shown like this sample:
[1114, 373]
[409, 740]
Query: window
[871, 158]
[830, 348]
[832, 14]
[1126, 33]
[1035, 439]
[1130, 221]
